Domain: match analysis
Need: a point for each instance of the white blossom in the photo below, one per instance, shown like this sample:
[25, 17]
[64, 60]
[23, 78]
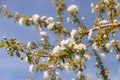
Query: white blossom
[113, 41]
[73, 78]
[46, 76]
[43, 33]
[58, 23]
[118, 56]
[80, 46]
[103, 22]
[5, 6]
[67, 67]
[67, 43]
[96, 6]
[92, 11]
[52, 67]
[107, 70]
[31, 67]
[87, 56]
[7, 48]
[108, 45]
[92, 5]
[106, 1]
[111, 50]
[29, 44]
[104, 35]
[42, 39]
[21, 21]
[90, 34]
[103, 55]
[57, 49]
[73, 8]
[88, 77]
[26, 59]
[35, 18]
[73, 33]
[68, 20]
[57, 75]
[43, 18]
[4, 37]
[77, 57]
[16, 14]
[115, 21]
[49, 20]
[83, 18]
[113, 34]
[51, 26]
[94, 45]
[79, 74]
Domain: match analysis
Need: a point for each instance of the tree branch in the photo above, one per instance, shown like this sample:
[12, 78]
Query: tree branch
[114, 25]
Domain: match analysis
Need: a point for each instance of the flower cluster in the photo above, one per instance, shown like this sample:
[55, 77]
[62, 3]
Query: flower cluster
[72, 52]
[64, 44]
[67, 43]
[80, 46]
[57, 49]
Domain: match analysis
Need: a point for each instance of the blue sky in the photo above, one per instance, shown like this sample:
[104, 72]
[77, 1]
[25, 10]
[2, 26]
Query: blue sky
[15, 69]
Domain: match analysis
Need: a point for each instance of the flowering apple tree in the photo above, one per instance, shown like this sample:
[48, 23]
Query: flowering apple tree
[73, 48]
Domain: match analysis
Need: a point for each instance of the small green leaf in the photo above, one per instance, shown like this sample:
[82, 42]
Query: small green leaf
[2, 44]
[17, 54]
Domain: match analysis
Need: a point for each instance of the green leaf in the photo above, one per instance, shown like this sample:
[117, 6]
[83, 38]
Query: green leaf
[17, 54]
[41, 52]
[2, 44]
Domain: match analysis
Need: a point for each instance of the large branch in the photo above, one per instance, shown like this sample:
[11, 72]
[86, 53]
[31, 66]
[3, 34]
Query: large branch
[114, 25]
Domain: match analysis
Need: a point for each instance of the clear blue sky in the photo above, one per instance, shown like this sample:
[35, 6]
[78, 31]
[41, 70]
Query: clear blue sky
[15, 69]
